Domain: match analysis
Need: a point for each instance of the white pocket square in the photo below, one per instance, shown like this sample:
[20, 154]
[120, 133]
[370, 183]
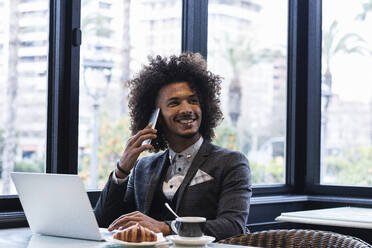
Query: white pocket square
[200, 177]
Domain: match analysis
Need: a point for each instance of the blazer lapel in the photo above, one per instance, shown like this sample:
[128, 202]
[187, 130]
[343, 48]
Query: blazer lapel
[156, 173]
[199, 159]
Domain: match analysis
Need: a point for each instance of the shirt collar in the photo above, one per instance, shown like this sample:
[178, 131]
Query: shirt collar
[189, 153]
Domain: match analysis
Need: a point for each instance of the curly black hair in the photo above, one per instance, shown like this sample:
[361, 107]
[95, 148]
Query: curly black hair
[161, 71]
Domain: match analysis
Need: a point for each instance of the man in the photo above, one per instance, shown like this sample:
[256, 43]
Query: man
[196, 177]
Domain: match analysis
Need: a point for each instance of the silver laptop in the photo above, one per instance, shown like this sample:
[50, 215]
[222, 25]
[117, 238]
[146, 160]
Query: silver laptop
[57, 205]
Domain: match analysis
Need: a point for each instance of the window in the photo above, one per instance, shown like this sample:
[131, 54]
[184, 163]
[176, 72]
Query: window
[346, 119]
[247, 45]
[117, 38]
[23, 88]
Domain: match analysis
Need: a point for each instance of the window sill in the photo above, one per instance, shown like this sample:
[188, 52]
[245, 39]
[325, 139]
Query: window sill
[263, 211]
[278, 199]
[342, 200]
[12, 219]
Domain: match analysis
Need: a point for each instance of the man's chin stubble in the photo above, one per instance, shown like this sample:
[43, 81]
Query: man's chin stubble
[188, 135]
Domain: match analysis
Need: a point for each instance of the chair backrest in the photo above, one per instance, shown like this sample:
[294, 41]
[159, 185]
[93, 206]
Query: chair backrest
[283, 238]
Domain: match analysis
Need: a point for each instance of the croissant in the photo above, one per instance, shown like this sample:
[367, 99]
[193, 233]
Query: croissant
[136, 234]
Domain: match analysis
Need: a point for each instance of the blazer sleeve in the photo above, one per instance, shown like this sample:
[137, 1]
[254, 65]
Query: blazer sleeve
[234, 201]
[114, 201]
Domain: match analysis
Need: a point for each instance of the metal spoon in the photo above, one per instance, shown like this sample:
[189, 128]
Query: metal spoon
[170, 209]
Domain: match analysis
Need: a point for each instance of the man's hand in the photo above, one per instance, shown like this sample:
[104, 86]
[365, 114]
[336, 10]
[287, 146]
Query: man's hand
[134, 148]
[133, 218]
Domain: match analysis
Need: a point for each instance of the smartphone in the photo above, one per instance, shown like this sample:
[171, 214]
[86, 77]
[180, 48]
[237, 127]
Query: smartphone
[153, 119]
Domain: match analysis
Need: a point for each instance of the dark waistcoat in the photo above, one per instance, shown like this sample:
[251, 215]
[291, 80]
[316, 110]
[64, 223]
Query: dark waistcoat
[158, 209]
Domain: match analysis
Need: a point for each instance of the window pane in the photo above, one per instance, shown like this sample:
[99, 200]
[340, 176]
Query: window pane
[346, 135]
[23, 88]
[117, 38]
[247, 45]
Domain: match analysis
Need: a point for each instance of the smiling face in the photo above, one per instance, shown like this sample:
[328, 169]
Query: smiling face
[181, 114]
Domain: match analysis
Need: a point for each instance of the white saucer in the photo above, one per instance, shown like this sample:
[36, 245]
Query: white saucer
[203, 240]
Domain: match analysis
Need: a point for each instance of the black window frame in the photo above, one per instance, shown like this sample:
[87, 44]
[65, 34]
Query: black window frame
[313, 162]
[63, 100]
[303, 97]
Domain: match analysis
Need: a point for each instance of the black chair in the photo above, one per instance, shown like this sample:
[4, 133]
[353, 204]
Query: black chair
[284, 238]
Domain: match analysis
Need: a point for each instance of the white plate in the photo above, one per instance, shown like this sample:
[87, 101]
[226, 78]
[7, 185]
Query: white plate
[159, 236]
[203, 240]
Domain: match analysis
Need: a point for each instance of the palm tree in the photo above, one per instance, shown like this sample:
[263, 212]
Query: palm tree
[10, 139]
[98, 25]
[95, 23]
[367, 7]
[240, 53]
[334, 44]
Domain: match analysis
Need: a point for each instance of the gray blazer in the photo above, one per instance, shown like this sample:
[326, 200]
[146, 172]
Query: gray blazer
[224, 200]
